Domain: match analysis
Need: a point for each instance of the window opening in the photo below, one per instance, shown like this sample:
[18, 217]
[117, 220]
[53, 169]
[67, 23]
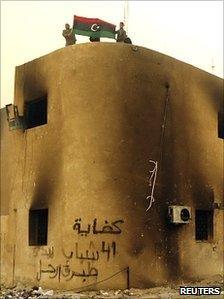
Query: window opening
[36, 112]
[203, 225]
[221, 125]
[38, 226]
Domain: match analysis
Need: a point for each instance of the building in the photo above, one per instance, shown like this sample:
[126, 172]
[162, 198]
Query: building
[118, 176]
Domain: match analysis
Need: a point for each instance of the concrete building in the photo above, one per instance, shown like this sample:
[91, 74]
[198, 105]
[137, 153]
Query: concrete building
[117, 179]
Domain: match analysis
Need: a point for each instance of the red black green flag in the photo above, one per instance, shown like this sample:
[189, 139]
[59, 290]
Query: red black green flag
[95, 28]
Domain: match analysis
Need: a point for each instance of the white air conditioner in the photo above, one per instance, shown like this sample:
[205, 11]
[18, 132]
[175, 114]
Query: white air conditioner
[179, 214]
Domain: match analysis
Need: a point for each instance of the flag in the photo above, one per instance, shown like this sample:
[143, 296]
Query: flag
[95, 28]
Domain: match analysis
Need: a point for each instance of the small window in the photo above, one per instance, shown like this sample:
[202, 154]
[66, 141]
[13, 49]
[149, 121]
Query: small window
[221, 125]
[203, 225]
[36, 112]
[38, 224]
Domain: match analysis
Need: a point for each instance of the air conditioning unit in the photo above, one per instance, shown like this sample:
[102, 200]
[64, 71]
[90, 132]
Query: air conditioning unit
[15, 121]
[179, 214]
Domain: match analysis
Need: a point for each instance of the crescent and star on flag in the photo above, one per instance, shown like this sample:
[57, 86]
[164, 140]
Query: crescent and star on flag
[95, 27]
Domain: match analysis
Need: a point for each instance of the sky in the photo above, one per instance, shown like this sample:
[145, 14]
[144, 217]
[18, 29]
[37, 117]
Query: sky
[191, 31]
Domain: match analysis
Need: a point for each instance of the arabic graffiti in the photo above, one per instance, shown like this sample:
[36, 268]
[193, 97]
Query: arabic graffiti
[82, 255]
[48, 252]
[109, 249]
[92, 228]
[65, 271]
[152, 182]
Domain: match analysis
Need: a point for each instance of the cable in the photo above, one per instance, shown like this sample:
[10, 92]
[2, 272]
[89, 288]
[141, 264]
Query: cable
[164, 124]
[153, 172]
[96, 283]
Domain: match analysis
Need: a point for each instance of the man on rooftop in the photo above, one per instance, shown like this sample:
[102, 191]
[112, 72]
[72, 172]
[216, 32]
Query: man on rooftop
[69, 35]
[121, 33]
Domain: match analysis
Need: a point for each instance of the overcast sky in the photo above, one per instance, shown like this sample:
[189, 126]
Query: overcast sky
[191, 31]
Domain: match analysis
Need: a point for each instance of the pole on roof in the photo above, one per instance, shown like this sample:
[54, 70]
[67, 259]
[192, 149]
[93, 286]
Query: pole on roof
[126, 13]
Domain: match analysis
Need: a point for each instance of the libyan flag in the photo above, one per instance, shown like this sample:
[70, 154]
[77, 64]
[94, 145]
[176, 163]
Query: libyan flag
[95, 28]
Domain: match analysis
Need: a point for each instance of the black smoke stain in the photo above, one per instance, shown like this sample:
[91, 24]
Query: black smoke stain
[166, 195]
[142, 122]
[47, 142]
[47, 180]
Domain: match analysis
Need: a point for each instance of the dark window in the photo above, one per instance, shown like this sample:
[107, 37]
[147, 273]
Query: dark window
[221, 125]
[38, 223]
[203, 225]
[36, 112]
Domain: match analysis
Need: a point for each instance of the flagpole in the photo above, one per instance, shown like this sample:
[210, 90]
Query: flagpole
[126, 11]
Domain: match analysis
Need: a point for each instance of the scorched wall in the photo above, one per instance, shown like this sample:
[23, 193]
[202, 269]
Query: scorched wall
[114, 112]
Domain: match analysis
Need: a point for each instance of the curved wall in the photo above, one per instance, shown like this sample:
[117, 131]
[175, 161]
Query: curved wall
[111, 109]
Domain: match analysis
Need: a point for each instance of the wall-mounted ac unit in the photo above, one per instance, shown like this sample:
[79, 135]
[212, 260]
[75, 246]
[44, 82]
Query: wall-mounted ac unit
[15, 121]
[179, 214]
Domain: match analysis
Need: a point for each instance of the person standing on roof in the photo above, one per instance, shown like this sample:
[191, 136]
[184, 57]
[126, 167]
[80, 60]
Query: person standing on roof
[121, 33]
[69, 35]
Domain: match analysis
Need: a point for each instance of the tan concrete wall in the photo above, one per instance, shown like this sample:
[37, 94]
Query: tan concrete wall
[106, 106]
